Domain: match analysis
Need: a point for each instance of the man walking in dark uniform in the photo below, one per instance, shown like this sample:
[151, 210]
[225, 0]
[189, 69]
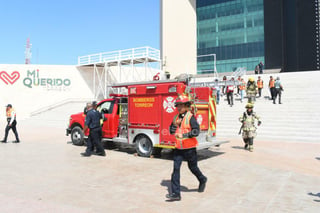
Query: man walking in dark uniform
[12, 123]
[185, 128]
[92, 122]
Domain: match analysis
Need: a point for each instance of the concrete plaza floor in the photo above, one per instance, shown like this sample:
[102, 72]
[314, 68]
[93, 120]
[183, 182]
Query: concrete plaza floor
[45, 173]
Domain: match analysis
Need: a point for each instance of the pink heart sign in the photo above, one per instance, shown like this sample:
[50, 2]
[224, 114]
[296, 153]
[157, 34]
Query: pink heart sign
[9, 78]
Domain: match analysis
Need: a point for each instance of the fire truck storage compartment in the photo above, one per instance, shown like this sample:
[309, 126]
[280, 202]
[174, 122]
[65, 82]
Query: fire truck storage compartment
[152, 106]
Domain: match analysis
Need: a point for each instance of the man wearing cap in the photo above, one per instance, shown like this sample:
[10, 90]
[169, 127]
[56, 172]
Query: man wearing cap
[12, 123]
[185, 128]
[92, 122]
[248, 126]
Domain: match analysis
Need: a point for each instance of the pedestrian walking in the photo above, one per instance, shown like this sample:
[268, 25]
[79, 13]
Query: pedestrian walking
[260, 85]
[278, 90]
[230, 90]
[271, 87]
[251, 90]
[92, 122]
[11, 124]
[185, 128]
[242, 88]
[217, 88]
[248, 126]
[238, 87]
[224, 79]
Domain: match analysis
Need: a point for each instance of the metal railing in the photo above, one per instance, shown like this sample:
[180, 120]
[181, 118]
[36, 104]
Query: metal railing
[120, 55]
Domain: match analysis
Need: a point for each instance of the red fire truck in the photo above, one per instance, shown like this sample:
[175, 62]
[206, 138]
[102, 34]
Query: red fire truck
[142, 117]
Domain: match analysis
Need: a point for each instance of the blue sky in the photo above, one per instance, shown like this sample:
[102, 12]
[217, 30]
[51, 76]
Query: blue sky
[62, 30]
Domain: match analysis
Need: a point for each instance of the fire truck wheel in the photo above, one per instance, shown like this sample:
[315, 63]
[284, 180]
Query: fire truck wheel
[144, 146]
[77, 136]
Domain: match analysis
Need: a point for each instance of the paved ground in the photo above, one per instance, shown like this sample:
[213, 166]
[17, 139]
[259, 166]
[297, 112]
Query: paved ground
[45, 173]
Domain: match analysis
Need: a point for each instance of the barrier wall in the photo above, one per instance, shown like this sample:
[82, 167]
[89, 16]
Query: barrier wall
[31, 87]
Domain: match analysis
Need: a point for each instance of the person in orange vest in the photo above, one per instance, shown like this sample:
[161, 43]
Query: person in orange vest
[12, 123]
[242, 88]
[260, 85]
[271, 87]
[185, 128]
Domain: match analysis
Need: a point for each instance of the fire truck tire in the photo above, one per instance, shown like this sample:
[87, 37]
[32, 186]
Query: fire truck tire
[77, 136]
[144, 146]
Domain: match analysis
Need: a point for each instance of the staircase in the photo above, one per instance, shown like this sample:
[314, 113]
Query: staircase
[297, 119]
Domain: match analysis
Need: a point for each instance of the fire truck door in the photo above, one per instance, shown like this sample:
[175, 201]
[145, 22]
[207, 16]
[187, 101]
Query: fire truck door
[110, 125]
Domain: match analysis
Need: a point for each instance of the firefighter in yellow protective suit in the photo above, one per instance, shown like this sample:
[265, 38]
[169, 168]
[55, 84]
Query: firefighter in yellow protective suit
[248, 126]
[251, 90]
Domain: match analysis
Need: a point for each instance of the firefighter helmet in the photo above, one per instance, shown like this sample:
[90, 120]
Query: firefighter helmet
[182, 99]
[249, 105]
[251, 79]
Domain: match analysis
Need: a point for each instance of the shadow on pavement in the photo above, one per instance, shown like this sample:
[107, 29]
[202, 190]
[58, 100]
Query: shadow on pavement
[203, 154]
[237, 147]
[167, 183]
[318, 158]
[166, 154]
[316, 195]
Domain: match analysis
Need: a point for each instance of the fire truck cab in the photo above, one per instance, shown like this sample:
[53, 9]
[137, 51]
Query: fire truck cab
[143, 115]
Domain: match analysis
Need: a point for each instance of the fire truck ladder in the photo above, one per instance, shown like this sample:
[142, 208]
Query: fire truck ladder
[110, 67]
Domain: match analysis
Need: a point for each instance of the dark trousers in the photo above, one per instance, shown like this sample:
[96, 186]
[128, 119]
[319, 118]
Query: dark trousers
[259, 91]
[190, 155]
[248, 141]
[230, 98]
[14, 129]
[276, 93]
[272, 91]
[94, 140]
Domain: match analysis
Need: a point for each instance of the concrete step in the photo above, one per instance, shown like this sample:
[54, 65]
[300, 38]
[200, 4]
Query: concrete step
[297, 119]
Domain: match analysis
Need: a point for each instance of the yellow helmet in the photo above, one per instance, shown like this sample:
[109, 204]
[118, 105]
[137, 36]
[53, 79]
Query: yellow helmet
[249, 105]
[251, 79]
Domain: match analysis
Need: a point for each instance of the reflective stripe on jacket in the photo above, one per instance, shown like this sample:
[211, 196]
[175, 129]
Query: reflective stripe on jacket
[185, 143]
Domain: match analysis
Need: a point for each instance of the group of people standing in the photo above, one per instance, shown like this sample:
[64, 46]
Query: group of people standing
[252, 89]
[259, 68]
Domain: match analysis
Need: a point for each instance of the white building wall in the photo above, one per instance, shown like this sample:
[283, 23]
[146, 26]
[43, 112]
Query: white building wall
[31, 87]
[178, 36]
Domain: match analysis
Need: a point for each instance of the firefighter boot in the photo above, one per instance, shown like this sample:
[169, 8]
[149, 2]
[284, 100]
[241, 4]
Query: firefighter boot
[202, 185]
[246, 143]
[251, 148]
[173, 197]
[246, 146]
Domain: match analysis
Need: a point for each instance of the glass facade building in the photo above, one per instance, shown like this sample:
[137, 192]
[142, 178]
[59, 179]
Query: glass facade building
[233, 30]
